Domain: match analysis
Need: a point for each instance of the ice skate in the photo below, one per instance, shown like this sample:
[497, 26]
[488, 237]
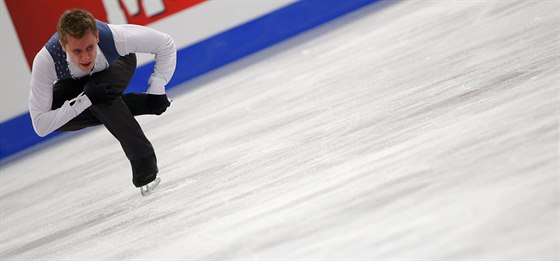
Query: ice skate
[148, 189]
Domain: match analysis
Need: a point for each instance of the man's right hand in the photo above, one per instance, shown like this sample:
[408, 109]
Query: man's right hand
[100, 92]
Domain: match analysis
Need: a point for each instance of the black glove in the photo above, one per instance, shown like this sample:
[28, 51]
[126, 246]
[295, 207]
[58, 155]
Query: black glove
[157, 103]
[100, 92]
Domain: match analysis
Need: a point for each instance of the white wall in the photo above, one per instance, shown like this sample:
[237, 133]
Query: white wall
[14, 72]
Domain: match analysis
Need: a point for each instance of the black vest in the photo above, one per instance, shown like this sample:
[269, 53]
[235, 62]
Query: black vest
[106, 44]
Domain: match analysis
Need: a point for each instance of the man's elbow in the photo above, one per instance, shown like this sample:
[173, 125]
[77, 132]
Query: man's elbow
[170, 43]
[41, 131]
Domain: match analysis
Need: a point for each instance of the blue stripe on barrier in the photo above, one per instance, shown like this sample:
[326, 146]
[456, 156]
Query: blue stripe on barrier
[17, 134]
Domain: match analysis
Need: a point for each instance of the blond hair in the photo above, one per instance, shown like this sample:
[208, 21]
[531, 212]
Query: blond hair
[76, 23]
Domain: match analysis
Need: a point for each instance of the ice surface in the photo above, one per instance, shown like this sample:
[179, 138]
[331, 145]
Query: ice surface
[418, 130]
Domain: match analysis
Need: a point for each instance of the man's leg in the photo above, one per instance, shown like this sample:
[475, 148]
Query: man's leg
[117, 117]
[137, 103]
[120, 121]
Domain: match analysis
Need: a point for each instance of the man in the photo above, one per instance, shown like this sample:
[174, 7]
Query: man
[78, 78]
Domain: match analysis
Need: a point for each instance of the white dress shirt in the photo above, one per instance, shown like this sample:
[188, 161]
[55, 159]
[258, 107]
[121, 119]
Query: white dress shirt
[128, 39]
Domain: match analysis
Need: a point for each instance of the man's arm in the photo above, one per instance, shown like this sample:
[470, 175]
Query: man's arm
[140, 39]
[44, 119]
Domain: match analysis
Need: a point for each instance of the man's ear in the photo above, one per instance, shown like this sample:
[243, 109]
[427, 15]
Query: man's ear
[97, 37]
[62, 45]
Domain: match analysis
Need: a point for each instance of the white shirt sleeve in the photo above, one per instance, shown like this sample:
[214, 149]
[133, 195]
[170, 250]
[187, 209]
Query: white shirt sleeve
[140, 39]
[43, 76]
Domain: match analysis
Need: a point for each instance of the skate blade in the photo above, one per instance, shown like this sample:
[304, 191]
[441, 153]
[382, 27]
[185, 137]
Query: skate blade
[149, 189]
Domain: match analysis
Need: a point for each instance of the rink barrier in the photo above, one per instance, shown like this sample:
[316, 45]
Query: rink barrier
[17, 134]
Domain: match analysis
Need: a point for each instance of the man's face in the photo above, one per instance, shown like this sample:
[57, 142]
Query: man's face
[82, 51]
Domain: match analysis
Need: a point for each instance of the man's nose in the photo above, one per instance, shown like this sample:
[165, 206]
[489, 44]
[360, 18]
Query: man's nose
[86, 56]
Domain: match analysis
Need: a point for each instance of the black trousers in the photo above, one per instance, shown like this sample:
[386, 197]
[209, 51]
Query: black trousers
[118, 117]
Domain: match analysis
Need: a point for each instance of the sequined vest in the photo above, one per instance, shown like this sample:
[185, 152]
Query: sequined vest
[106, 44]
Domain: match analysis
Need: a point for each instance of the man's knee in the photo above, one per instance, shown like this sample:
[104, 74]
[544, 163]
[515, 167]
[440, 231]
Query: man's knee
[119, 73]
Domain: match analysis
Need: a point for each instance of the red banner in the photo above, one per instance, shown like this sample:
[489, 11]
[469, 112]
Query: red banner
[35, 20]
